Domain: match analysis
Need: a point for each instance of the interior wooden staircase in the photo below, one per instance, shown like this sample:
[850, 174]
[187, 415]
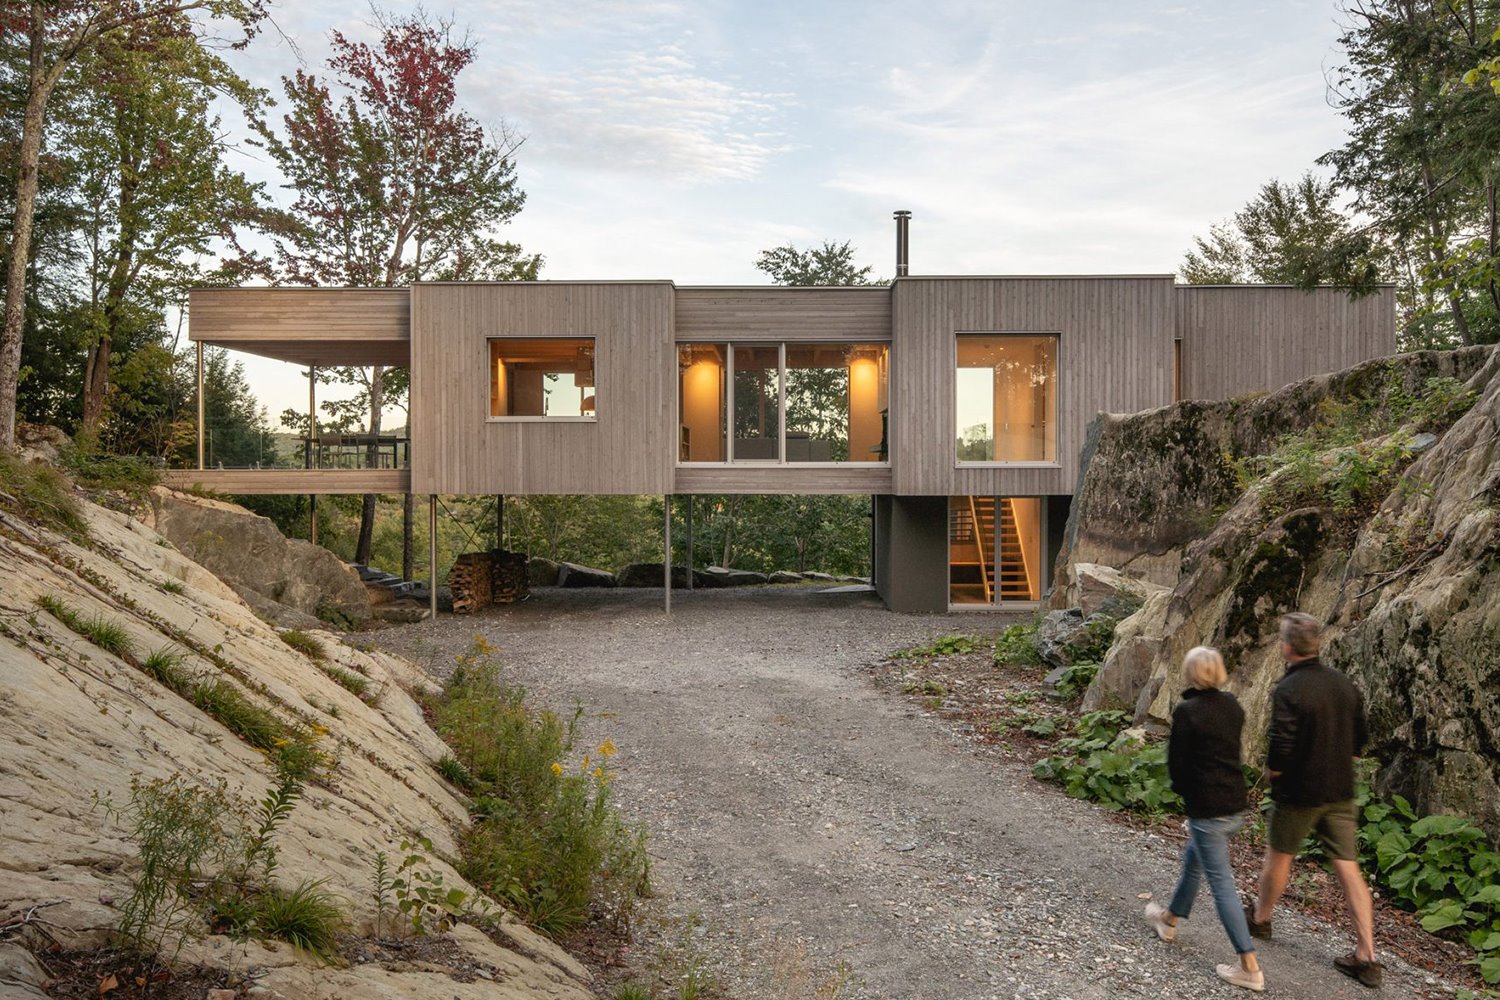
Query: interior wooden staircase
[972, 563]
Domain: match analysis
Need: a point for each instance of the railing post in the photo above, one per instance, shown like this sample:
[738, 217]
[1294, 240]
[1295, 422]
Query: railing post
[312, 416]
[200, 404]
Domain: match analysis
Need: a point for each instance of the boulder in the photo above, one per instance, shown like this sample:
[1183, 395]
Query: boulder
[647, 575]
[542, 572]
[819, 577]
[251, 554]
[574, 575]
[1066, 637]
[785, 576]
[1096, 589]
[718, 576]
[1131, 661]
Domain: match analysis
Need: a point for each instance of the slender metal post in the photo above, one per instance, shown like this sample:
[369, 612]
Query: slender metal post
[690, 542]
[432, 564]
[666, 563]
[312, 416]
[312, 518]
[200, 404]
[500, 522]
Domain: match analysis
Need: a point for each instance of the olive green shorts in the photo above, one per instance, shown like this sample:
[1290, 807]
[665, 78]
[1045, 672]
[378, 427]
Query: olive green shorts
[1334, 823]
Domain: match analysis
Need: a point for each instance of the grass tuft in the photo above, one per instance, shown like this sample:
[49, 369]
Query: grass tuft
[108, 635]
[355, 684]
[305, 644]
[165, 666]
[172, 586]
[307, 917]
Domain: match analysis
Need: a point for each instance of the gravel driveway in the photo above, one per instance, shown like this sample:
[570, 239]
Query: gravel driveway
[790, 800]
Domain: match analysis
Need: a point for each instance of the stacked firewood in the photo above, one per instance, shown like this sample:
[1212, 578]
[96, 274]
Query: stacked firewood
[482, 578]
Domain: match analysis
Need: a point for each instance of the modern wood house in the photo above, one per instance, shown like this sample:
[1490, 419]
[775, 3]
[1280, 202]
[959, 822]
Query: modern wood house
[958, 403]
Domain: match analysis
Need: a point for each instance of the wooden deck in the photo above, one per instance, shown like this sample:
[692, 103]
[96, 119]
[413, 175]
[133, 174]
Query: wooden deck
[278, 481]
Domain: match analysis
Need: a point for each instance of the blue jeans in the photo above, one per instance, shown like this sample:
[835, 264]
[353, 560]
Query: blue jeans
[1207, 853]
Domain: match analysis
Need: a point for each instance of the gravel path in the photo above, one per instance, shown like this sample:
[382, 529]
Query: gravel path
[790, 800]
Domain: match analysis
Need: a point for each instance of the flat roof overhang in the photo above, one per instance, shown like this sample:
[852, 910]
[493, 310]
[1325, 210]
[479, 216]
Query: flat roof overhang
[317, 327]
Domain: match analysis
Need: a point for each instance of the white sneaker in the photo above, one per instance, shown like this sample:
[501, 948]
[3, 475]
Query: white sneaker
[1255, 982]
[1156, 916]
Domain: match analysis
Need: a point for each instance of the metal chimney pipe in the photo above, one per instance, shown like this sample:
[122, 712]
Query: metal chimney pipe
[903, 224]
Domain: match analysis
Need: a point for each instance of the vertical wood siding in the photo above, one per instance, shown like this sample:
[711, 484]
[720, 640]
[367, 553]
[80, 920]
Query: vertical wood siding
[1114, 354]
[629, 448]
[321, 326]
[718, 314]
[1240, 339]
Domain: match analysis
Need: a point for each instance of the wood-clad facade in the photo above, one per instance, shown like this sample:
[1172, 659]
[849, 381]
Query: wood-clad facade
[1238, 339]
[308, 326]
[1114, 338]
[457, 447]
[625, 356]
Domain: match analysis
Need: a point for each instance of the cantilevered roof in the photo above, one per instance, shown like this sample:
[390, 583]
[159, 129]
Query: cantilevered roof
[308, 326]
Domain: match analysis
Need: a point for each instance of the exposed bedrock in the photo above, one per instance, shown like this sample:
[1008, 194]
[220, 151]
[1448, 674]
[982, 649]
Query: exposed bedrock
[1409, 582]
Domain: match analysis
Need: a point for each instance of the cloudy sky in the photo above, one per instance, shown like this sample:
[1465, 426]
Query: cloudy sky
[669, 139]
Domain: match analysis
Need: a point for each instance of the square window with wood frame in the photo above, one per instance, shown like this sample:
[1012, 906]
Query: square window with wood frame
[1006, 398]
[542, 378]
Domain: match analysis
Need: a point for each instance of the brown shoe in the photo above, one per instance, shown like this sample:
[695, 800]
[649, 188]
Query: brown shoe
[1258, 929]
[1370, 974]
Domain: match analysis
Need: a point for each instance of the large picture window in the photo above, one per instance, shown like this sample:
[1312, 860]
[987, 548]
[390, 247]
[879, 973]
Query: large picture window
[791, 403]
[1006, 397]
[542, 378]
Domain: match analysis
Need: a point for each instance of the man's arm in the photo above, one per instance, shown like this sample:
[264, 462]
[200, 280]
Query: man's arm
[1282, 741]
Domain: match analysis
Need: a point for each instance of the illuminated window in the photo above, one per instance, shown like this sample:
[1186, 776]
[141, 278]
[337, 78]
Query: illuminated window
[542, 378]
[791, 404]
[1006, 396]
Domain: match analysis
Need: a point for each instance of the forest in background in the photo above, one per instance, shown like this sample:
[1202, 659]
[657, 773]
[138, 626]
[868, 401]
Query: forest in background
[125, 196]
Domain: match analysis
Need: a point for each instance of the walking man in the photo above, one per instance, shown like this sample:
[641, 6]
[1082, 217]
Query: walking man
[1317, 728]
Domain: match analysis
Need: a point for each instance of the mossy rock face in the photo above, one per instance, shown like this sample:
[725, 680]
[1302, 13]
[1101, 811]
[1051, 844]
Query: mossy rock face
[1411, 591]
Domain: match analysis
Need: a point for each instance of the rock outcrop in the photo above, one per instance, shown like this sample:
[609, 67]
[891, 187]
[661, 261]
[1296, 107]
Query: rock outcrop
[1407, 574]
[270, 571]
[77, 721]
[574, 575]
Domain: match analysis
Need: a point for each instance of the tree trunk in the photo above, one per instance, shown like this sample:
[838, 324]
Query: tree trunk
[38, 90]
[372, 459]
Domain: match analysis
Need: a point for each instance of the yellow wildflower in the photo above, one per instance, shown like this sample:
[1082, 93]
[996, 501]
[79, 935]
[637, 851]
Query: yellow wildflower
[585, 765]
[607, 749]
[557, 769]
[599, 773]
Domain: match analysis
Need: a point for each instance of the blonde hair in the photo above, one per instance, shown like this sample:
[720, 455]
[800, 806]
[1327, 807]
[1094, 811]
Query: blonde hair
[1301, 632]
[1204, 668]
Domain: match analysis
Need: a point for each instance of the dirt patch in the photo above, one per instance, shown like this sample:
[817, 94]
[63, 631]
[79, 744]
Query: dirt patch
[794, 804]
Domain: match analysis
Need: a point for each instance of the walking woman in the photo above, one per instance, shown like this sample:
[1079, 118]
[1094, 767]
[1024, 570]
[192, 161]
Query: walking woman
[1203, 758]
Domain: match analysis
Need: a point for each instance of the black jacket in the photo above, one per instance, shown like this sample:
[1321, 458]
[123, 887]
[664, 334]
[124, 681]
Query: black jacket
[1203, 754]
[1317, 729]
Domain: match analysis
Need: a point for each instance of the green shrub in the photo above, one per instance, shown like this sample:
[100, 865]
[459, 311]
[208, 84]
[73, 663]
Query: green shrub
[1104, 764]
[185, 835]
[418, 892]
[39, 493]
[305, 644]
[128, 474]
[1016, 647]
[306, 916]
[1075, 680]
[172, 586]
[546, 837]
[1440, 866]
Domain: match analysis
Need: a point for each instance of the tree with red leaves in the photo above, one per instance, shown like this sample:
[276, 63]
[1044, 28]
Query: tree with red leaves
[392, 182]
[57, 33]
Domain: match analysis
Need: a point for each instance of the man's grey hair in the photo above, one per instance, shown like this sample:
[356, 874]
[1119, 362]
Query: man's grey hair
[1301, 632]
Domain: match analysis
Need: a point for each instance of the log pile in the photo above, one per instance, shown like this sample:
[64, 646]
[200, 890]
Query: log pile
[479, 579]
